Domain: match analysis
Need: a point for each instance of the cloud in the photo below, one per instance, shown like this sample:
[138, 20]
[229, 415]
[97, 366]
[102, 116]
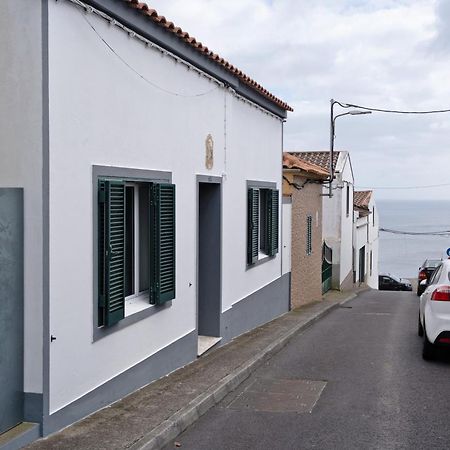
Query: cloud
[382, 53]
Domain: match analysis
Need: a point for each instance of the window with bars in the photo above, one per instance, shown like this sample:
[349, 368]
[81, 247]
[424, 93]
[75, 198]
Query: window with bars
[309, 235]
[136, 247]
[262, 223]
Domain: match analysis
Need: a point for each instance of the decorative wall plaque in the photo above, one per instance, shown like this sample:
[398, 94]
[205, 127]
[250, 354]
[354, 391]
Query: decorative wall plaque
[209, 146]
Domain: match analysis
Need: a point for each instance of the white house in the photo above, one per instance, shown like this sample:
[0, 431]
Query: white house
[365, 235]
[150, 171]
[337, 214]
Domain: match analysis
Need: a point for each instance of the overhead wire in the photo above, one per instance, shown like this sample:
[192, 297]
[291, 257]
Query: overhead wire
[417, 233]
[404, 187]
[167, 91]
[392, 111]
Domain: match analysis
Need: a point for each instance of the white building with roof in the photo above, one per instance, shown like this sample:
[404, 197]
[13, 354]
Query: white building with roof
[365, 239]
[146, 173]
[337, 214]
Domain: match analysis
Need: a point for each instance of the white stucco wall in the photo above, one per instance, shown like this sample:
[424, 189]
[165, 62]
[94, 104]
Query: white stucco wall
[286, 237]
[372, 279]
[102, 113]
[346, 179]
[21, 158]
[366, 232]
[337, 226]
[360, 240]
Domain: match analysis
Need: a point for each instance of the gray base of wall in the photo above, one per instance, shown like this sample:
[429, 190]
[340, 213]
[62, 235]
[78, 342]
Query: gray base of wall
[33, 406]
[258, 308]
[156, 366]
[19, 436]
[347, 283]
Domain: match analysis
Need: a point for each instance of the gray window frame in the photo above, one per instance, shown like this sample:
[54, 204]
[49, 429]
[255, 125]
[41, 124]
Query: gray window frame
[132, 175]
[260, 185]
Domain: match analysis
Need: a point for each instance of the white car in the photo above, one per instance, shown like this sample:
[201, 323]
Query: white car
[434, 311]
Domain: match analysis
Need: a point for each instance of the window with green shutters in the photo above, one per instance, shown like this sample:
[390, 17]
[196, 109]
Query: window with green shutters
[136, 246]
[262, 223]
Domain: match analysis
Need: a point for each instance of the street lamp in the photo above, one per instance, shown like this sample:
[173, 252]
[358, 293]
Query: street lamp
[353, 112]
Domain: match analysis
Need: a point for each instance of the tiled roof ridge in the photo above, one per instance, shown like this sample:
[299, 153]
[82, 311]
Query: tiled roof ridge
[361, 199]
[291, 161]
[183, 35]
[320, 158]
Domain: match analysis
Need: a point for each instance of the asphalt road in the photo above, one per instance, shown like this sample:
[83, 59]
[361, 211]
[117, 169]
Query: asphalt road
[354, 380]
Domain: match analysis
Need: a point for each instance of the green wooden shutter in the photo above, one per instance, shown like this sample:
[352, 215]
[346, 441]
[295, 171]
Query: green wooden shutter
[252, 226]
[162, 243]
[272, 221]
[111, 249]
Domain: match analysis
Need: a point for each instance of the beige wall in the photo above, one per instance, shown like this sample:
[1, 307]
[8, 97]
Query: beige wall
[306, 270]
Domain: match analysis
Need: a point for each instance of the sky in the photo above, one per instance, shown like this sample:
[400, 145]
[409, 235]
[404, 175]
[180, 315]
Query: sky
[392, 54]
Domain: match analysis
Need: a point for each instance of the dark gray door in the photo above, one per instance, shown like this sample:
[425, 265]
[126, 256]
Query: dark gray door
[11, 307]
[362, 264]
[209, 267]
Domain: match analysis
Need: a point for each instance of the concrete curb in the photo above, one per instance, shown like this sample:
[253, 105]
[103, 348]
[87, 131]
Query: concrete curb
[182, 419]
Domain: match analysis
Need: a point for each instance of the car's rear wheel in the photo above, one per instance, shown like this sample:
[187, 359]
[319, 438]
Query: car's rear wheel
[428, 350]
[420, 328]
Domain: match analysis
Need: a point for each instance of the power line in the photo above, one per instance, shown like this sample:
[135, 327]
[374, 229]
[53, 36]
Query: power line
[151, 83]
[417, 233]
[404, 187]
[392, 111]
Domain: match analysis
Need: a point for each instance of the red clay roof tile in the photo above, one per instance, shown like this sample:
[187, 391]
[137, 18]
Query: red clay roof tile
[321, 159]
[293, 162]
[361, 199]
[161, 20]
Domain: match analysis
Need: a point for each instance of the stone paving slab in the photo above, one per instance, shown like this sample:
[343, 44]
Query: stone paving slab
[155, 414]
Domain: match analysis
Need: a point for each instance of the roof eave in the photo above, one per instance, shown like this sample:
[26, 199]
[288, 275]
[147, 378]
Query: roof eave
[134, 19]
[305, 174]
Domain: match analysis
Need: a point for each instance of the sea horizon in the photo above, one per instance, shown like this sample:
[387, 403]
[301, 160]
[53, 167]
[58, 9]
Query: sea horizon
[401, 254]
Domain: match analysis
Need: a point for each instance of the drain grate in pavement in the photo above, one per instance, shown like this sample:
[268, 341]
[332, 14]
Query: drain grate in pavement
[271, 395]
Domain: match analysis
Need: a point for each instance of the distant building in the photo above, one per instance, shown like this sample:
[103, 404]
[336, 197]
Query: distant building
[302, 215]
[337, 214]
[365, 239]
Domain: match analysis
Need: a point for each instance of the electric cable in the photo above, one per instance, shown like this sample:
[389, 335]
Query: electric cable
[417, 233]
[404, 187]
[392, 111]
[177, 94]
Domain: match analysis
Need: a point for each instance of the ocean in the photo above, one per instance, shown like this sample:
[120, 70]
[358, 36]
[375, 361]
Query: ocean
[402, 255]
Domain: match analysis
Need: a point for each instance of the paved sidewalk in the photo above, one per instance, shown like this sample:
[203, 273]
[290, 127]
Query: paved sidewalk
[154, 415]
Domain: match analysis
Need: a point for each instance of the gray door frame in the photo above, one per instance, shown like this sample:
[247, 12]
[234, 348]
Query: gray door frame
[12, 307]
[206, 179]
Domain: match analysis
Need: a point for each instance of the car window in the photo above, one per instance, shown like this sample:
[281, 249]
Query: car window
[436, 275]
[430, 263]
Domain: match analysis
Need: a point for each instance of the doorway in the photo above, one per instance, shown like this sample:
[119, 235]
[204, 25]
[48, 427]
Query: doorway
[362, 264]
[11, 311]
[209, 265]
